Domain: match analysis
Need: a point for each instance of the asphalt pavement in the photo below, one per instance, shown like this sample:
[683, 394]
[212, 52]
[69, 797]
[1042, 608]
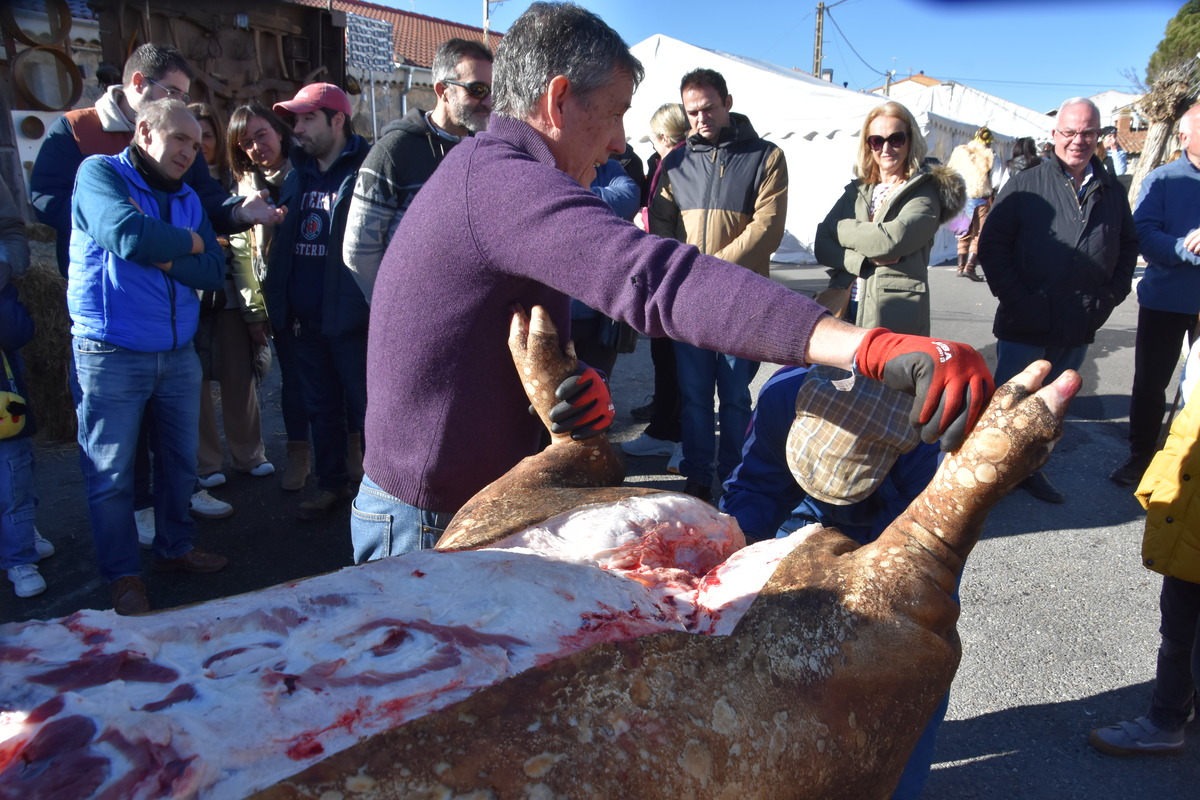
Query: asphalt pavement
[1059, 621]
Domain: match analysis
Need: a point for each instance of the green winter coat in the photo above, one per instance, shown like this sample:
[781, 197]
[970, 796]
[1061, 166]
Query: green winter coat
[897, 294]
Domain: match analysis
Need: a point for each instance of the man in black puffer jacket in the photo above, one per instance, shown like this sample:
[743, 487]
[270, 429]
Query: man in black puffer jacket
[410, 149]
[1058, 250]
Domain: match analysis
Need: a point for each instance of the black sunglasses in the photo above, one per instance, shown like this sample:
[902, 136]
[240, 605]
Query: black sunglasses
[477, 89]
[896, 140]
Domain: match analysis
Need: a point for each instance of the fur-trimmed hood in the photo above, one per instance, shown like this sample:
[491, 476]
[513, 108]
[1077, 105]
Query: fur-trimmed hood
[952, 190]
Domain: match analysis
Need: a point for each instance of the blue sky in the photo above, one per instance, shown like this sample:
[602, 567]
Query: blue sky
[1033, 53]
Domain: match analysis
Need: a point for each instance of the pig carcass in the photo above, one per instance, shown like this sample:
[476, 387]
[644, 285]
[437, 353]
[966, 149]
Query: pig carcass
[570, 639]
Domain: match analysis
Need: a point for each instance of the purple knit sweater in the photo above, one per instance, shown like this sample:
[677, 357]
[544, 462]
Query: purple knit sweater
[498, 224]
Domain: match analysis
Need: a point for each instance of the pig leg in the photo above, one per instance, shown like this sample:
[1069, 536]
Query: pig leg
[566, 475]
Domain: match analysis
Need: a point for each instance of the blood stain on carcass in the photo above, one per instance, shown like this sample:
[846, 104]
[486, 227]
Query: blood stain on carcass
[125, 665]
[87, 634]
[180, 694]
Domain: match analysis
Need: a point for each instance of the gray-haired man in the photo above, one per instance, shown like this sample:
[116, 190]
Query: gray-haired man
[410, 150]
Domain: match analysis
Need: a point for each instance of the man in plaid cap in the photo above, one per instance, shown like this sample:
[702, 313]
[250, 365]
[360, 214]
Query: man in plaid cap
[838, 451]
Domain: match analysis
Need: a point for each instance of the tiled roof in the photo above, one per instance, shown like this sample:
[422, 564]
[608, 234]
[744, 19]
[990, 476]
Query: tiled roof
[920, 78]
[415, 36]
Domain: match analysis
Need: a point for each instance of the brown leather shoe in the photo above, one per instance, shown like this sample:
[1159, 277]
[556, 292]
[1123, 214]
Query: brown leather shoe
[324, 501]
[192, 561]
[129, 596]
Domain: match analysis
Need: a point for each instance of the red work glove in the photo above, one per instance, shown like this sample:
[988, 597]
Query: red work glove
[586, 409]
[950, 381]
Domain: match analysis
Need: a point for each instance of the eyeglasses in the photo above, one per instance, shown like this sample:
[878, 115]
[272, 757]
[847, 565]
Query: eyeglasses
[175, 94]
[1088, 136]
[259, 138]
[477, 89]
[896, 140]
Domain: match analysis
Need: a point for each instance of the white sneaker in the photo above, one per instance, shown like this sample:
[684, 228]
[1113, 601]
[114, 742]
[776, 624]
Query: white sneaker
[263, 470]
[648, 446]
[44, 548]
[211, 480]
[676, 459]
[26, 580]
[208, 507]
[144, 520]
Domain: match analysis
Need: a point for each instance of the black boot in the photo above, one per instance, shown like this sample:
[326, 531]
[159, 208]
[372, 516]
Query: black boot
[967, 270]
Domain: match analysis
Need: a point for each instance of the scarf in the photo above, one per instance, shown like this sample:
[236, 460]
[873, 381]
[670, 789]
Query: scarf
[149, 172]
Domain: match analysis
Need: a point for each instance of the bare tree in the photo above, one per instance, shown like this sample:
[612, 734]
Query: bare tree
[1173, 92]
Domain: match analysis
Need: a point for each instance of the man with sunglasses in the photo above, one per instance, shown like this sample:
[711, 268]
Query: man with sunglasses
[1058, 252]
[410, 149]
[726, 193]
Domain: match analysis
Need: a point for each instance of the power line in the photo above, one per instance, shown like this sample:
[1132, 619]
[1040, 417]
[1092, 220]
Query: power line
[1027, 83]
[829, 14]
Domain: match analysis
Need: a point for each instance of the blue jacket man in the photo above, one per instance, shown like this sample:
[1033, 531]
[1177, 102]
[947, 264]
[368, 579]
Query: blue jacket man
[140, 247]
[1166, 218]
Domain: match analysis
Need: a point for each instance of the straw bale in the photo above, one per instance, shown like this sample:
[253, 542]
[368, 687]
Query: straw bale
[48, 357]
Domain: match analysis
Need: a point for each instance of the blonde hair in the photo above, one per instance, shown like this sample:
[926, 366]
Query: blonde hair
[865, 167]
[670, 122]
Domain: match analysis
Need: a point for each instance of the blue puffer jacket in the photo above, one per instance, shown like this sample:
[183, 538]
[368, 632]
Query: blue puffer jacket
[115, 294]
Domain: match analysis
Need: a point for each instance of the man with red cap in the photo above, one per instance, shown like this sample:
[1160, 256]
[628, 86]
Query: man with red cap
[309, 289]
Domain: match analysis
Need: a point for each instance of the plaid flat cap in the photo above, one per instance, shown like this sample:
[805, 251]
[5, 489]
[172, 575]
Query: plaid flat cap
[848, 432]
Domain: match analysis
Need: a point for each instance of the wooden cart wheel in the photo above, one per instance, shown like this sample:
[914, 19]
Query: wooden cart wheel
[25, 60]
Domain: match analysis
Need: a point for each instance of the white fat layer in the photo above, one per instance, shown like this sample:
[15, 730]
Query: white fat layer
[289, 675]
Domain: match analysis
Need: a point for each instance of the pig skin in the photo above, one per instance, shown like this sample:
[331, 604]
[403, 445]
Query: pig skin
[820, 692]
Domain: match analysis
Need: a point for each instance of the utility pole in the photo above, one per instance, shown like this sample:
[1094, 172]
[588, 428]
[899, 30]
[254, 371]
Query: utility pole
[819, 41]
[487, 17]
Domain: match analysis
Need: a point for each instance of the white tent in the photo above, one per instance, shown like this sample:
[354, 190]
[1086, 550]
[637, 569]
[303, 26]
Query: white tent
[814, 122]
[956, 101]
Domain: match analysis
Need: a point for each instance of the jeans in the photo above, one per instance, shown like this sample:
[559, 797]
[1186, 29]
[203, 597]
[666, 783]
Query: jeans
[143, 497]
[664, 423]
[699, 371]
[333, 373]
[916, 770]
[17, 503]
[382, 525]
[1155, 354]
[1012, 358]
[291, 394]
[119, 387]
[1178, 672]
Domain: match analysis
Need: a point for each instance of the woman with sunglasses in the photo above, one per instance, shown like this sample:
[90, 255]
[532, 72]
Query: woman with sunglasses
[878, 237]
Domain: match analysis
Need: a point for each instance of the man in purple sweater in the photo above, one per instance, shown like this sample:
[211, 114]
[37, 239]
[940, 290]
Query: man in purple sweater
[508, 220]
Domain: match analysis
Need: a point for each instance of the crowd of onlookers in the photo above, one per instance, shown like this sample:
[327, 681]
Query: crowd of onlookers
[280, 240]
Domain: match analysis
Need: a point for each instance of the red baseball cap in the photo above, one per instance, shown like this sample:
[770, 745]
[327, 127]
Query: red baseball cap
[314, 96]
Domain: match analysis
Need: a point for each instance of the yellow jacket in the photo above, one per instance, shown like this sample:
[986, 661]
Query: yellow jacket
[1168, 492]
